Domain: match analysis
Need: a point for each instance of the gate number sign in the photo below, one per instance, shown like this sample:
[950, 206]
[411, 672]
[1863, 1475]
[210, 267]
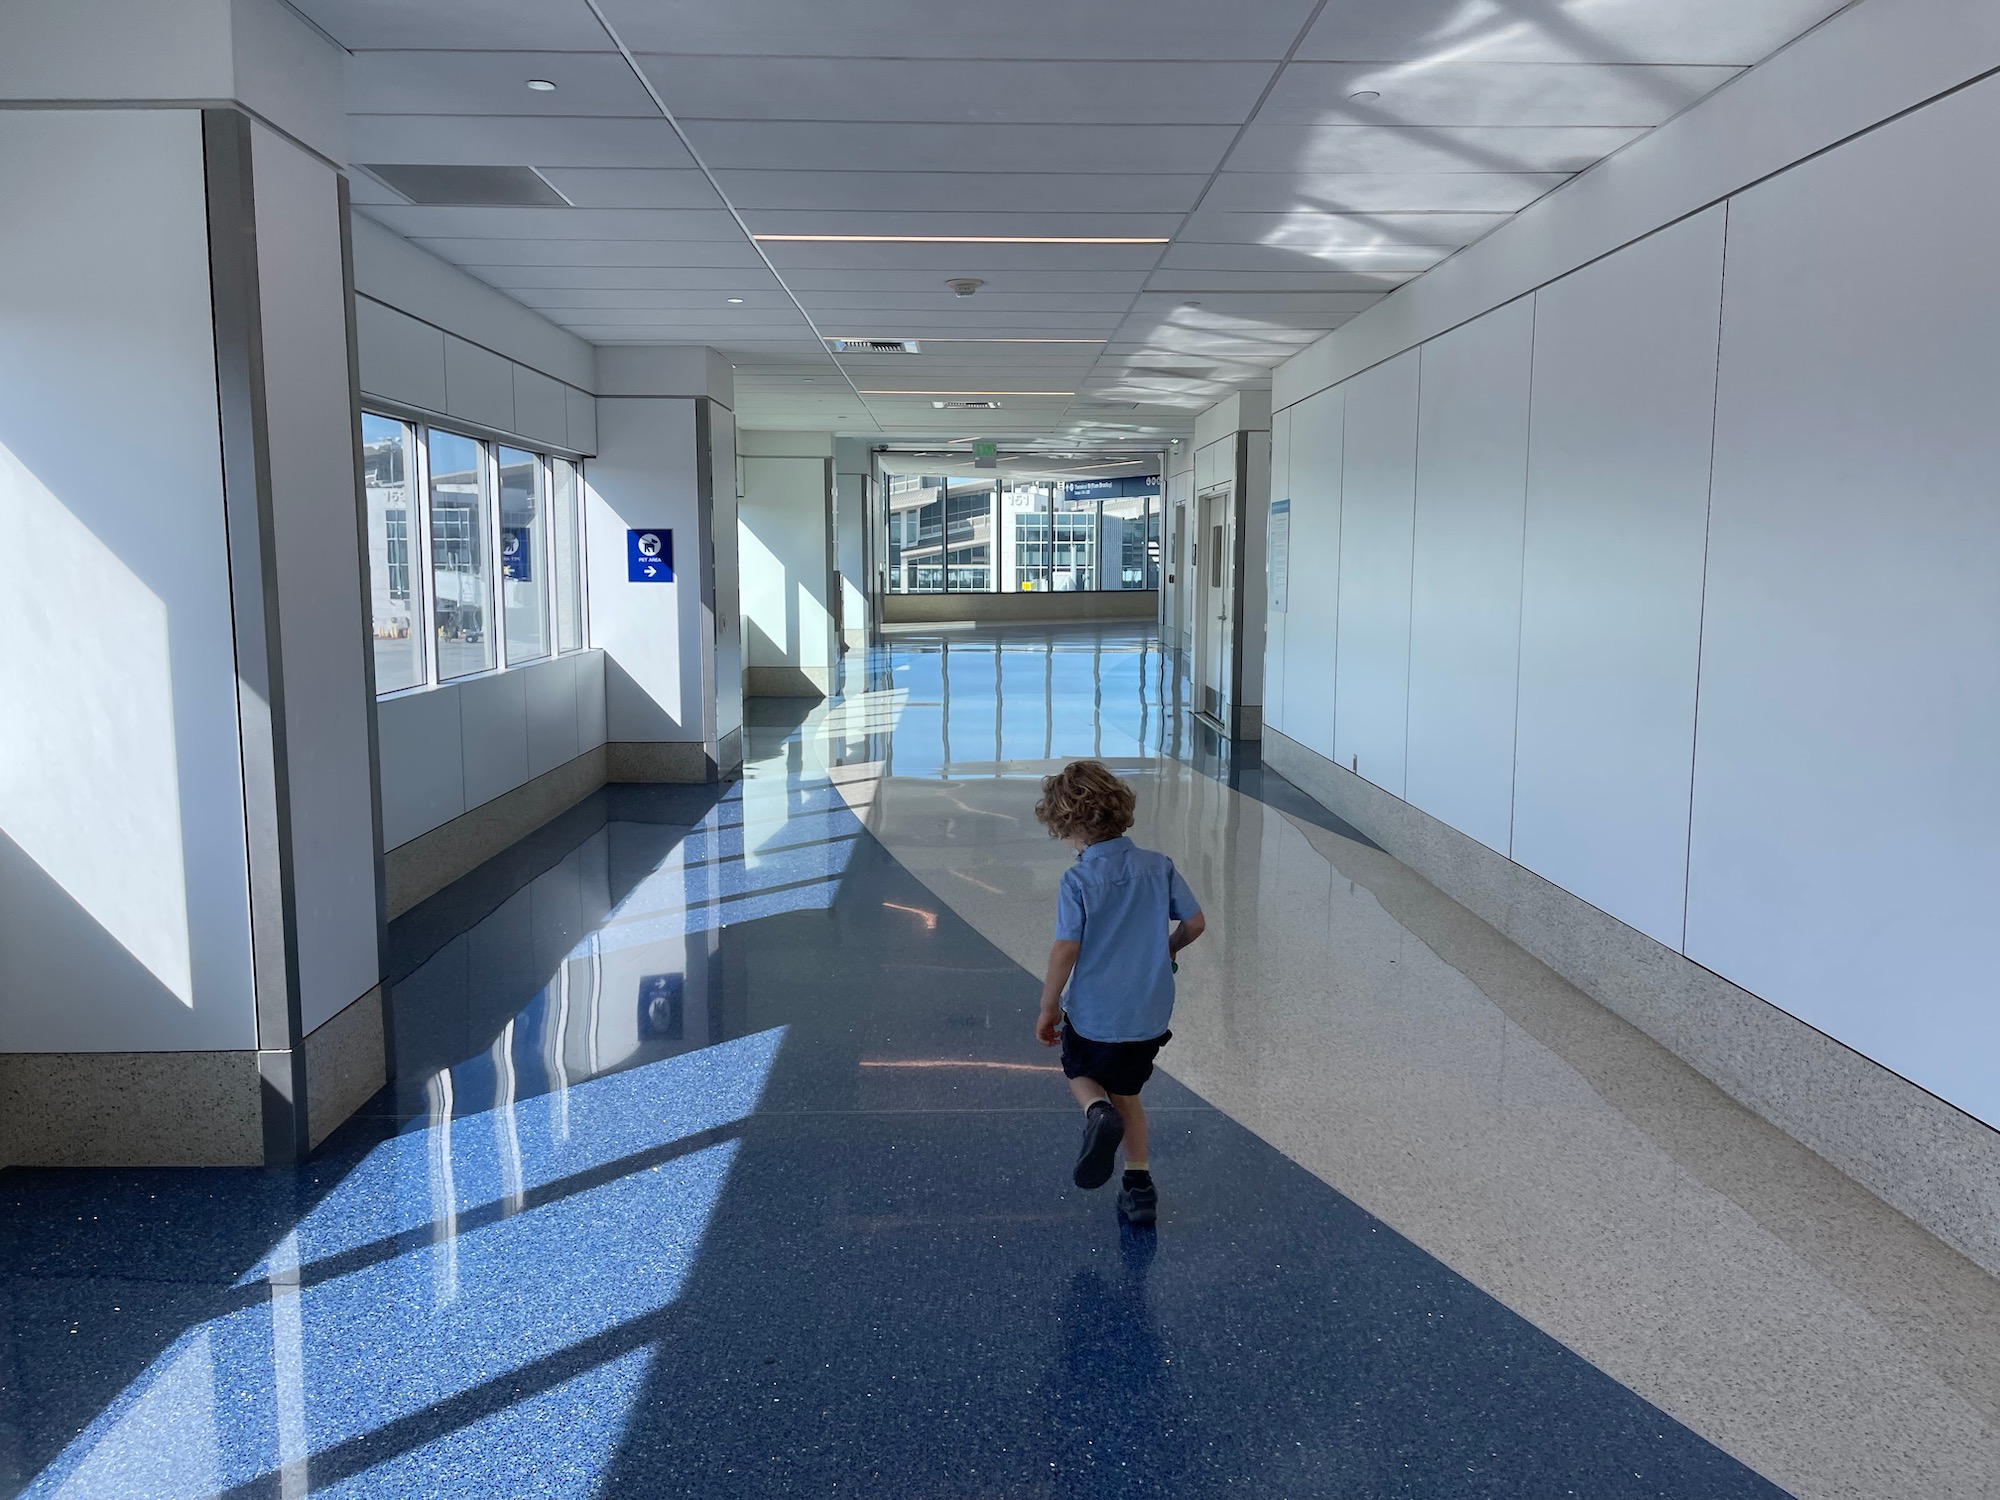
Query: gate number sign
[649, 556]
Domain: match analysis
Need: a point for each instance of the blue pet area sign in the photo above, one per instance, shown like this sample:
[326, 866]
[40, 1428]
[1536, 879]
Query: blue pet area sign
[649, 556]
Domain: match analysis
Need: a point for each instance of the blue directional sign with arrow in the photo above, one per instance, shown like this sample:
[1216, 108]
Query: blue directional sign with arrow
[649, 556]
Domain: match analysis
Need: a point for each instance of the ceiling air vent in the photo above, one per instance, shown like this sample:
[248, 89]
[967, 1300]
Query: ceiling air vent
[875, 346]
[966, 405]
[469, 187]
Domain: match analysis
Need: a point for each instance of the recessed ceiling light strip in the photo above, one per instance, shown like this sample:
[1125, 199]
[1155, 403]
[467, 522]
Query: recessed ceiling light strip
[1270, 84]
[687, 145]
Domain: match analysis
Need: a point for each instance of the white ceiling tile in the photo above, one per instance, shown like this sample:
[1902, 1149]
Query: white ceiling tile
[958, 192]
[494, 83]
[554, 25]
[942, 300]
[833, 146]
[675, 300]
[552, 252]
[633, 187]
[1479, 93]
[926, 279]
[944, 261]
[514, 141]
[1317, 233]
[1196, 257]
[1370, 148]
[1195, 282]
[1108, 30]
[1379, 192]
[973, 93]
[713, 280]
[1685, 31]
[1262, 304]
[592, 224]
[859, 221]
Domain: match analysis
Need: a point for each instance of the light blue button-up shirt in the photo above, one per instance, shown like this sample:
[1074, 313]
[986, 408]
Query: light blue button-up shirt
[1117, 901]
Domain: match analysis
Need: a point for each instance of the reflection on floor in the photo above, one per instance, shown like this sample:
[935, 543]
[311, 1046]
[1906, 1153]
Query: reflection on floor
[722, 1163]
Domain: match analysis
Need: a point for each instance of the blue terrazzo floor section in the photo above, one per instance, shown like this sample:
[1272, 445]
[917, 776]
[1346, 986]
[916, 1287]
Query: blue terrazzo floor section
[722, 1164]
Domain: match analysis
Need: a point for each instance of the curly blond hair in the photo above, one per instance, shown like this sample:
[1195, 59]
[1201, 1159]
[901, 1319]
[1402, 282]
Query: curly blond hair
[1084, 800]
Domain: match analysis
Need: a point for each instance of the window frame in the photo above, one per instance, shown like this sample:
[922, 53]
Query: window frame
[422, 542]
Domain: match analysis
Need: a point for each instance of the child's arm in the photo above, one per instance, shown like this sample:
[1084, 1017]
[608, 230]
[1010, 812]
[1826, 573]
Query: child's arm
[1189, 929]
[1062, 959]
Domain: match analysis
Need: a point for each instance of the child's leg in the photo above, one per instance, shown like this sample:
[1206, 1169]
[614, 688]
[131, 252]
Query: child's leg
[1088, 1091]
[1133, 1113]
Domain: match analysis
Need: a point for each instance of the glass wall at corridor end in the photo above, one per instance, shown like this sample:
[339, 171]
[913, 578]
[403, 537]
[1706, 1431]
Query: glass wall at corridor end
[993, 534]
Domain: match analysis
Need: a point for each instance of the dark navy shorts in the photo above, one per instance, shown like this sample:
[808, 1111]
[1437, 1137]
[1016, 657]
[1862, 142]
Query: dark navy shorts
[1122, 1067]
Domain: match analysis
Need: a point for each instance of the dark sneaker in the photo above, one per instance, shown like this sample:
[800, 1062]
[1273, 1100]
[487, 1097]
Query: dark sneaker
[1102, 1131]
[1139, 1205]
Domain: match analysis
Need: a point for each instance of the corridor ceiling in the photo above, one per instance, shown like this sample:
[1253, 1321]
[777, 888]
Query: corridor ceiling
[1163, 199]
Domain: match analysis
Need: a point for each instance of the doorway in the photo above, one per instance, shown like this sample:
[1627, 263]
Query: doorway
[1215, 604]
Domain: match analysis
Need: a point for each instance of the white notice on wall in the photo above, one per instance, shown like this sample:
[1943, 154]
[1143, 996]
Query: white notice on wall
[1280, 552]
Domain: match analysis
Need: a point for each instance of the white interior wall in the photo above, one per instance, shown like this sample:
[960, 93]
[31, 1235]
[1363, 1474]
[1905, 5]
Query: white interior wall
[449, 749]
[726, 492]
[1624, 402]
[1312, 455]
[1844, 823]
[1846, 843]
[1374, 474]
[124, 904]
[644, 477]
[320, 562]
[1277, 626]
[785, 531]
[1465, 572]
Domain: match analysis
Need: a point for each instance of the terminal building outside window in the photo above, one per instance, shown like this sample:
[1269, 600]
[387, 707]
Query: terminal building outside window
[474, 553]
[992, 534]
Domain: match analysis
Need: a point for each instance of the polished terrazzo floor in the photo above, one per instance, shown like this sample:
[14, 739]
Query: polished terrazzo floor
[722, 1163]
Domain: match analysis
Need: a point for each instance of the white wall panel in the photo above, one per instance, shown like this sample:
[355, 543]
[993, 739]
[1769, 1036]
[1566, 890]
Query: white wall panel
[401, 358]
[320, 579]
[1465, 589]
[1624, 404]
[1276, 621]
[651, 633]
[541, 407]
[1846, 840]
[124, 912]
[1378, 507]
[550, 687]
[1316, 498]
[423, 763]
[589, 700]
[783, 533]
[582, 421]
[493, 718]
[478, 384]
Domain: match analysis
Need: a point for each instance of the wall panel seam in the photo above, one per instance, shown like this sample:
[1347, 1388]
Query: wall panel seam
[1521, 577]
[1701, 612]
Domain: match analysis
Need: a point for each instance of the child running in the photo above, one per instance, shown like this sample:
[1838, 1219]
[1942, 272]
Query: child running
[1115, 954]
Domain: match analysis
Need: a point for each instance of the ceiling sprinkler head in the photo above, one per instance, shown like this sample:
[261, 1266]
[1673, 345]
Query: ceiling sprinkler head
[964, 286]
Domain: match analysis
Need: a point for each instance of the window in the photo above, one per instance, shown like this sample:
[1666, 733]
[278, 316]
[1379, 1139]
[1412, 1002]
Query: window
[503, 529]
[461, 570]
[524, 555]
[989, 535]
[387, 454]
[568, 556]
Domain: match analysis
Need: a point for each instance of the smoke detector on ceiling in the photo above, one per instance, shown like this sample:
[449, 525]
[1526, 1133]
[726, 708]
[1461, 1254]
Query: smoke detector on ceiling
[875, 346]
[964, 286]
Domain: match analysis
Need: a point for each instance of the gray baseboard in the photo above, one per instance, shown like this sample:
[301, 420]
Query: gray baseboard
[423, 866]
[660, 760]
[787, 682]
[347, 1061]
[1928, 1160]
[128, 1109]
